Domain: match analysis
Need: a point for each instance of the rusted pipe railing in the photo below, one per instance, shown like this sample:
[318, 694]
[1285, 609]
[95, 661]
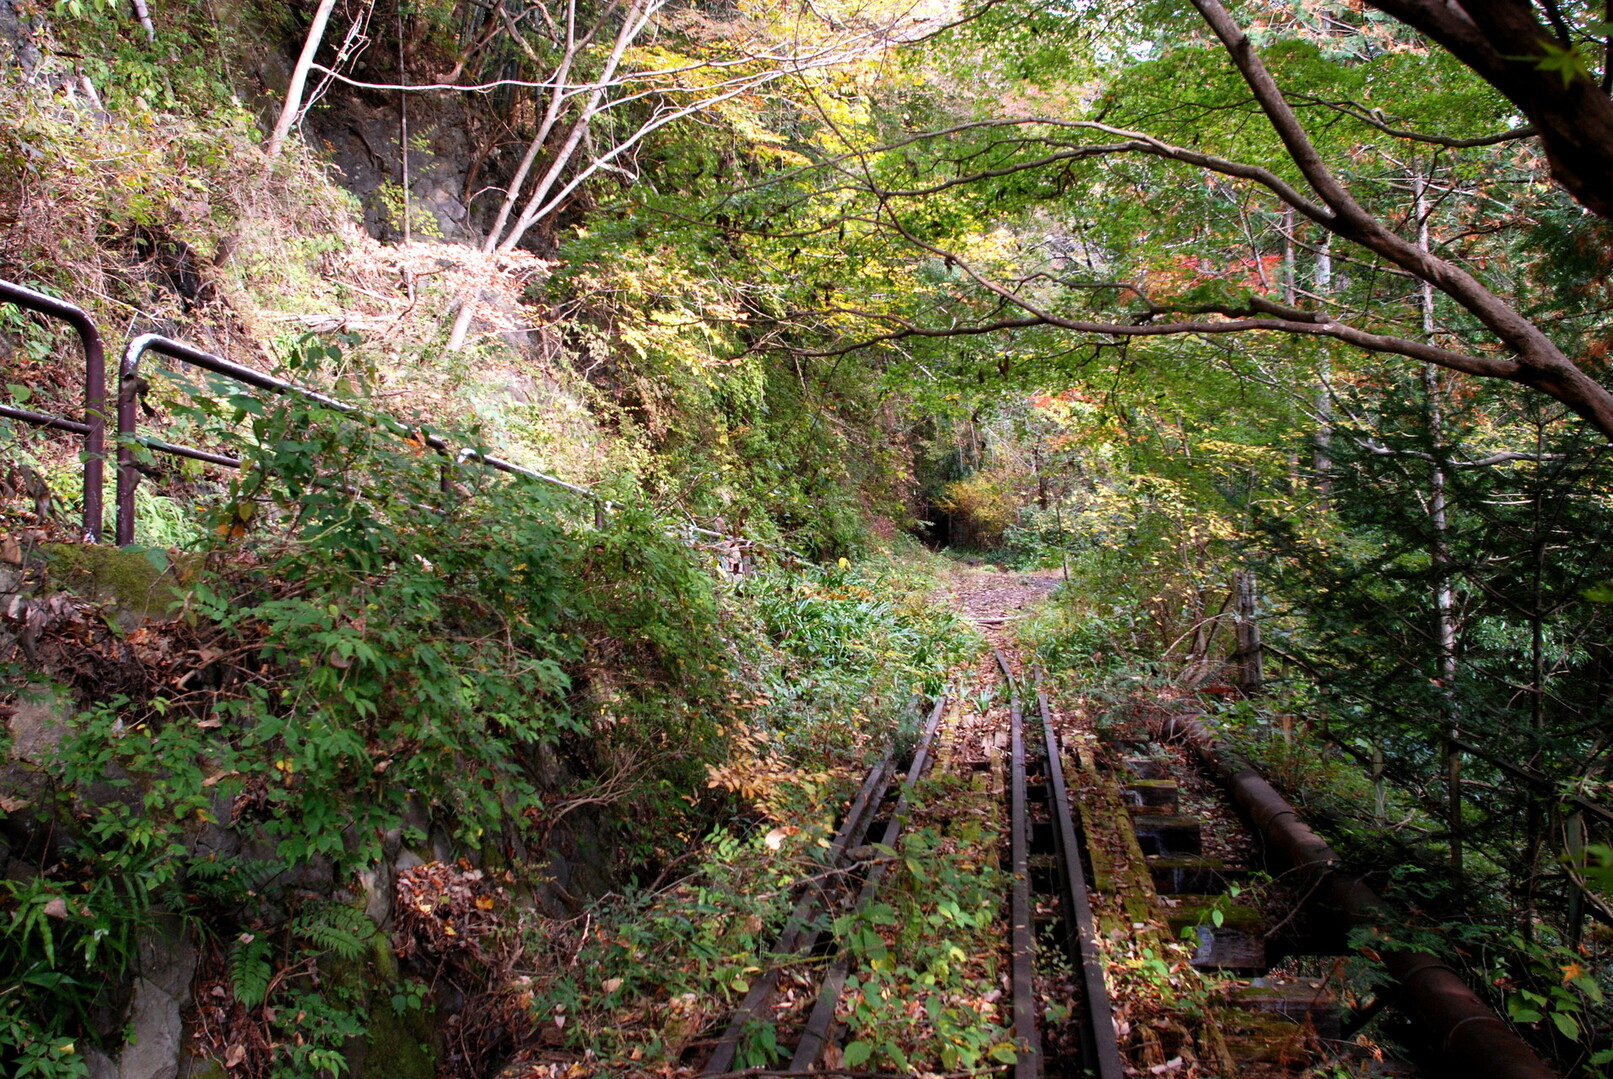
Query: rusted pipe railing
[128, 421]
[93, 426]
[1471, 1035]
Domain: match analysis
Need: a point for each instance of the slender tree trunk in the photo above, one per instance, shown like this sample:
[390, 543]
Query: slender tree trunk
[1574, 849]
[1251, 665]
[634, 20]
[559, 95]
[299, 79]
[1380, 795]
[403, 139]
[1539, 823]
[143, 13]
[1041, 477]
[1288, 256]
[1445, 616]
[1440, 553]
[1323, 458]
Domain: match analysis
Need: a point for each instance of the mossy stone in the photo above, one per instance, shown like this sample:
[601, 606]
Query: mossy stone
[202, 1068]
[399, 1046]
[1191, 912]
[129, 580]
[406, 1046]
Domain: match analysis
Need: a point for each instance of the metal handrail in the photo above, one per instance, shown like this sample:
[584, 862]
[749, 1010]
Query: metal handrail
[93, 426]
[128, 421]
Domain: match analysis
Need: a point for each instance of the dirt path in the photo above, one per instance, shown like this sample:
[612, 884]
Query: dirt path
[989, 596]
[997, 599]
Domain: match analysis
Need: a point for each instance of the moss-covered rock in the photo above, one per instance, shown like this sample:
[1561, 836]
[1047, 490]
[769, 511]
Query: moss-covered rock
[395, 1045]
[202, 1068]
[399, 1046]
[131, 582]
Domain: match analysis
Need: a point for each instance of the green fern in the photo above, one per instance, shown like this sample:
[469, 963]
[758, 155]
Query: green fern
[334, 928]
[250, 970]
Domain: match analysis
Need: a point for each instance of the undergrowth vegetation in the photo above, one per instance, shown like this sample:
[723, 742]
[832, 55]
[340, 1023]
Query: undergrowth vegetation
[842, 661]
[373, 648]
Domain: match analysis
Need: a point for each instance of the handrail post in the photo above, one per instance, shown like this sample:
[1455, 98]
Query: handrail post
[128, 475]
[128, 418]
[94, 392]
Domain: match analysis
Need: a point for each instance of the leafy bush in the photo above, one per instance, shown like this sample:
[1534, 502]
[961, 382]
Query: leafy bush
[850, 647]
[378, 651]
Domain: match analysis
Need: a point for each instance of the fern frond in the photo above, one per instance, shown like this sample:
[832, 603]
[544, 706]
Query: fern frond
[341, 930]
[251, 971]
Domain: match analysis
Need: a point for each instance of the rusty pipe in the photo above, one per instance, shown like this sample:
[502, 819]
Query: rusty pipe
[94, 424]
[1472, 1037]
[128, 420]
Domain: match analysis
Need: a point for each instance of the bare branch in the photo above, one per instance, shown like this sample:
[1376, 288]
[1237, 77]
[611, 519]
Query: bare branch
[1540, 363]
[1373, 118]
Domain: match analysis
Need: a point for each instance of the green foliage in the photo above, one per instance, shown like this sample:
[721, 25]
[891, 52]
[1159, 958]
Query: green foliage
[398, 206]
[850, 645]
[433, 634]
[71, 931]
[404, 649]
[833, 657]
[251, 970]
[922, 945]
[649, 972]
[30, 1048]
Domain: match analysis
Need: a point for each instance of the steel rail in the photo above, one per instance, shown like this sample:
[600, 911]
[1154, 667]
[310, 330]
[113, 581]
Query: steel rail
[41, 419]
[93, 426]
[1100, 1046]
[820, 1023]
[1022, 931]
[800, 936]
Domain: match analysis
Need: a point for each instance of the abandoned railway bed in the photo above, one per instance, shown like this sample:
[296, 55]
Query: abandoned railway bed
[1126, 863]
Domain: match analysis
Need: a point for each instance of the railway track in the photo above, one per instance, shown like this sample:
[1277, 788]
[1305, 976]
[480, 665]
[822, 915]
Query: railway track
[1113, 854]
[804, 935]
[1049, 915]
[1049, 884]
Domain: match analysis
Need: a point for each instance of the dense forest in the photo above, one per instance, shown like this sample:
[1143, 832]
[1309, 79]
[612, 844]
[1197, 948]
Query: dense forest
[669, 383]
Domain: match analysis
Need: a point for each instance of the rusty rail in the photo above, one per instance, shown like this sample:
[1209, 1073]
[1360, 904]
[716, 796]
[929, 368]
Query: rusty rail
[1021, 930]
[820, 1023]
[129, 437]
[1100, 1046]
[800, 935]
[1100, 1056]
[93, 426]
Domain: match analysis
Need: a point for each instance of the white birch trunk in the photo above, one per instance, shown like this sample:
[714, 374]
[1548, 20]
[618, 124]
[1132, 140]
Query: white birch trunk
[299, 79]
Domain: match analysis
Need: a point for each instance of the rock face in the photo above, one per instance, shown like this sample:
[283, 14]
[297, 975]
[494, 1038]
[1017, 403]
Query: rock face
[156, 1015]
[362, 143]
[17, 37]
[37, 725]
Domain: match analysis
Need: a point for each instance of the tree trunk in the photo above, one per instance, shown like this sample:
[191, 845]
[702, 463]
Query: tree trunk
[1251, 665]
[143, 13]
[1440, 553]
[1574, 853]
[299, 79]
[1322, 460]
